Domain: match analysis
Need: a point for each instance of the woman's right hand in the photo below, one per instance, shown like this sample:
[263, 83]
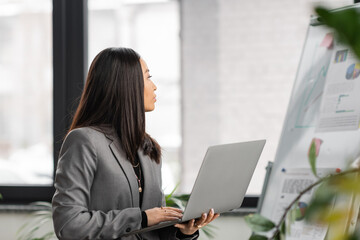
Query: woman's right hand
[157, 215]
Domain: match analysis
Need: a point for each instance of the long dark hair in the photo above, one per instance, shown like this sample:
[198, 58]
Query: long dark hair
[114, 94]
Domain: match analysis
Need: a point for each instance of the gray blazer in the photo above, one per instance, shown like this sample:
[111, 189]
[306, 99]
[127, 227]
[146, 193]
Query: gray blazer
[96, 189]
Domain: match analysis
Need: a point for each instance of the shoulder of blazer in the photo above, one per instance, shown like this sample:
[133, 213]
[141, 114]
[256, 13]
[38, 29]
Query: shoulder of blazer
[88, 132]
[88, 135]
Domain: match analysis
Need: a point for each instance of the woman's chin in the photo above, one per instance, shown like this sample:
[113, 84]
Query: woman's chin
[150, 109]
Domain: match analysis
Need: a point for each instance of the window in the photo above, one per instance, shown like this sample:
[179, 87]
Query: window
[37, 95]
[152, 29]
[26, 150]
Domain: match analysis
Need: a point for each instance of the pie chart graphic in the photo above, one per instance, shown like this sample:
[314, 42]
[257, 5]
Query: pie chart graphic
[300, 211]
[353, 71]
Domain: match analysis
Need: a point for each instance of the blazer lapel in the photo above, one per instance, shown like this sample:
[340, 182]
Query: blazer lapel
[129, 173]
[149, 175]
[124, 164]
[152, 194]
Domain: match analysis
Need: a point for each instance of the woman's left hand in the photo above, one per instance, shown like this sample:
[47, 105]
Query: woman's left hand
[193, 225]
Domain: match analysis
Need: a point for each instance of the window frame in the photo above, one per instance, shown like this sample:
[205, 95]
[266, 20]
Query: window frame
[69, 22]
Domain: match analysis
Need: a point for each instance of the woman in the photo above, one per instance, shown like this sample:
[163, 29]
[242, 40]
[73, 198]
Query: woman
[108, 179]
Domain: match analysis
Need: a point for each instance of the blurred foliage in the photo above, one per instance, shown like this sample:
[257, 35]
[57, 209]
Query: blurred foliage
[312, 157]
[259, 223]
[31, 230]
[332, 203]
[345, 23]
[178, 201]
[258, 237]
[313, 153]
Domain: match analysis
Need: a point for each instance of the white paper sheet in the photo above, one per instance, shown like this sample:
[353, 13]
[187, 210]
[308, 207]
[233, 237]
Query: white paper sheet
[340, 106]
[295, 181]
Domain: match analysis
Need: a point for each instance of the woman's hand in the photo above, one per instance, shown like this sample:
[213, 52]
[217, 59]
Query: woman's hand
[193, 225]
[157, 215]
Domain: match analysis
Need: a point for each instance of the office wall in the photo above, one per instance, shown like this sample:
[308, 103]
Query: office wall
[239, 61]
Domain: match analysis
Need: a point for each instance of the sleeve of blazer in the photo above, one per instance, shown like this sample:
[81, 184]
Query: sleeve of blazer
[71, 216]
[170, 233]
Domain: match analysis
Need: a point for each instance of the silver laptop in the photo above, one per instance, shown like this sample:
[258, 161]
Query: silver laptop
[222, 180]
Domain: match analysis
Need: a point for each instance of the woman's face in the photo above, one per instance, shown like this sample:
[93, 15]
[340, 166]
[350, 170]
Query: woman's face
[149, 88]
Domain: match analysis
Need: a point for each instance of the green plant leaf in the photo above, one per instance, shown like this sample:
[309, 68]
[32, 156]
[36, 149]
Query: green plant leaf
[48, 236]
[293, 214]
[312, 157]
[277, 236]
[354, 236]
[321, 202]
[258, 237]
[209, 231]
[259, 223]
[346, 24]
[45, 205]
[347, 184]
[34, 226]
[283, 227]
[178, 201]
[288, 225]
[182, 197]
[172, 192]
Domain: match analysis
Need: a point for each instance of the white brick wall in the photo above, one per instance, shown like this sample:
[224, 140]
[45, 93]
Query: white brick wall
[239, 61]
